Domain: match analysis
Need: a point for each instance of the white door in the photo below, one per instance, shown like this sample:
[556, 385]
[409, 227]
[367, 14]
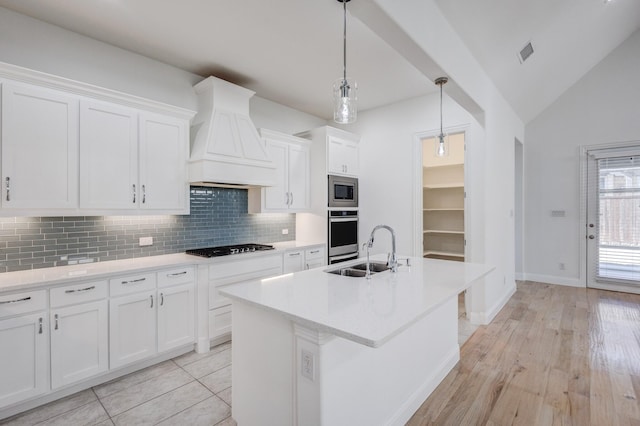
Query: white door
[299, 177]
[277, 196]
[108, 156]
[132, 328]
[613, 219]
[79, 342]
[163, 163]
[23, 351]
[176, 325]
[39, 148]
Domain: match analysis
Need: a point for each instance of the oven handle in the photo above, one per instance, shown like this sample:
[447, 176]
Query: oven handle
[343, 219]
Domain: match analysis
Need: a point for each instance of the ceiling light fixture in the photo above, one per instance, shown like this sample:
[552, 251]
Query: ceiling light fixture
[441, 148]
[344, 90]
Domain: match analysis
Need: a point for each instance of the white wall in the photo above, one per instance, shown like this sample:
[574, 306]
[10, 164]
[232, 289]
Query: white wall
[602, 107]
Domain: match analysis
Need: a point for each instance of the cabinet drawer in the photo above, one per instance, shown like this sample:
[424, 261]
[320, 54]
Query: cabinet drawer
[314, 253]
[216, 300]
[132, 284]
[219, 322]
[21, 303]
[176, 276]
[78, 293]
[246, 269]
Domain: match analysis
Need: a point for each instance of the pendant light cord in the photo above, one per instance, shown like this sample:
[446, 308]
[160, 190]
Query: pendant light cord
[440, 109]
[344, 41]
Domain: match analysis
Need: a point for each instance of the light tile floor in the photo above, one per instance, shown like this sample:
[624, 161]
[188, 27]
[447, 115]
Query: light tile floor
[192, 389]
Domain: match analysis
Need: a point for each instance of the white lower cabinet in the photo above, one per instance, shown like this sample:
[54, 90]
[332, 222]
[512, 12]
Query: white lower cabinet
[151, 321]
[314, 258]
[293, 261]
[24, 346]
[132, 331]
[79, 342]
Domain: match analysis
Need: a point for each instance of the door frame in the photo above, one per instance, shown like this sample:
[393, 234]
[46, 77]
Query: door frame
[584, 188]
[417, 187]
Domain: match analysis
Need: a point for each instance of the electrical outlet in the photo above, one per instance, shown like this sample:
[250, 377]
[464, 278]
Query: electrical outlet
[145, 241]
[285, 231]
[308, 365]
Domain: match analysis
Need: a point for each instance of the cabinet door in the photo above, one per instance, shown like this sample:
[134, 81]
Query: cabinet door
[79, 342]
[24, 355]
[132, 328]
[108, 156]
[164, 183]
[343, 156]
[39, 148]
[299, 177]
[293, 261]
[277, 197]
[176, 316]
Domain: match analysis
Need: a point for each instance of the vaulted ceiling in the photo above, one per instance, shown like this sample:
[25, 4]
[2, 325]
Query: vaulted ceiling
[291, 51]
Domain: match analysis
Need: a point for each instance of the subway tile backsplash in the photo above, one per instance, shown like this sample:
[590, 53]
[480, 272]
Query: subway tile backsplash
[218, 217]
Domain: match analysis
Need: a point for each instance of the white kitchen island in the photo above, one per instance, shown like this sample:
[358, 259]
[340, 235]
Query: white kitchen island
[313, 348]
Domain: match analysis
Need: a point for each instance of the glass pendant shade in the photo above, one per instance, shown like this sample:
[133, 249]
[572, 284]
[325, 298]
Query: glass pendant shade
[345, 101]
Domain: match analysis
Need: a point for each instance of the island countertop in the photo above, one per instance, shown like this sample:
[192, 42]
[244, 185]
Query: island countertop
[369, 312]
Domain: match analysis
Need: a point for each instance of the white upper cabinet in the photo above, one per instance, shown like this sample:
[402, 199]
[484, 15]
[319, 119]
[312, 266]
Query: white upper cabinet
[72, 149]
[39, 148]
[108, 156]
[343, 156]
[290, 194]
[164, 182]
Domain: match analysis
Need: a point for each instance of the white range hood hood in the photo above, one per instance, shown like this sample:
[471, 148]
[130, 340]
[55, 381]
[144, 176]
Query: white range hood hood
[226, 149]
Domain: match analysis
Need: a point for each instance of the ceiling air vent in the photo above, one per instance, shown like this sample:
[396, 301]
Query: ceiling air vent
[525, 52]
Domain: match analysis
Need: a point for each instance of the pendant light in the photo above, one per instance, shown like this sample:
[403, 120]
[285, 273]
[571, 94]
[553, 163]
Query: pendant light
[442, 148]
[344, 90]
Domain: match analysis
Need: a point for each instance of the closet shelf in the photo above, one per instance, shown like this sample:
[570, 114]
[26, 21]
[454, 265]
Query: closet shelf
[444, 185]
[445, 209]
[442, 231]
[443, 253]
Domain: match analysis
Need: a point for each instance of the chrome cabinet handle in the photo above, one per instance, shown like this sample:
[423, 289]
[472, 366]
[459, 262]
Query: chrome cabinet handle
[306, 266]
[39, 325]
[134, 193]
[291, 203]
[55, 327]
[80, 289]
[144, 194]
[177, 274]
[161, 299]
[134, 281]
[314, 251]
[287, 198]
[8, 185]
[151, 301]
[24, 299]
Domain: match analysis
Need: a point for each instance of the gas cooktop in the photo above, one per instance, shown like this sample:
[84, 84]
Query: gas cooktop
[227, 250]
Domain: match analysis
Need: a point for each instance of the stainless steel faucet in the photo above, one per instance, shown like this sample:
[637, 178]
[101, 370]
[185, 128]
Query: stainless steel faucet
[392, 262]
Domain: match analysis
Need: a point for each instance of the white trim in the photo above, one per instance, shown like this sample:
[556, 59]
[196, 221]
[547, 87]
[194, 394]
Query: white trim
[26, 75]
[555, 280]
[520, 276]
[616, 287]
[486, 317]
[408, 409]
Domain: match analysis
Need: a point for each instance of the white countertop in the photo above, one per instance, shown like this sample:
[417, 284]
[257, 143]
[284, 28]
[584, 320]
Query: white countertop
[369, 312]
[25, 280]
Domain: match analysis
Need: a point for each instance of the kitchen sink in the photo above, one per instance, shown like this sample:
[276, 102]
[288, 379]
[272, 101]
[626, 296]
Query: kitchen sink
[360, 269]
[373, 266]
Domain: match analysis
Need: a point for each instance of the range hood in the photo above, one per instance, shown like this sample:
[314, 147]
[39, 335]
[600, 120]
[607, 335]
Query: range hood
[226, 149]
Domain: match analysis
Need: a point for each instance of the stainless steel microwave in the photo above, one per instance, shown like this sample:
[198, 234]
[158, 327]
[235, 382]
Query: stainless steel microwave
[343, 191]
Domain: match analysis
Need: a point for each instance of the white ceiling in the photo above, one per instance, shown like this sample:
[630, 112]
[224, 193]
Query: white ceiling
[569, 37]
[291, 51]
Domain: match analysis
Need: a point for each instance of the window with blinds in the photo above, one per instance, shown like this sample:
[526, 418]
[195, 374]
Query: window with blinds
[618, 250]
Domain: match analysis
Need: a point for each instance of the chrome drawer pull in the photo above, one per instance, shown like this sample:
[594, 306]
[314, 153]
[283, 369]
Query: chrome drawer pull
[314, 251]
[177, 274]
[294, 254]
[134, 281]
[24, 299]
[80, 289]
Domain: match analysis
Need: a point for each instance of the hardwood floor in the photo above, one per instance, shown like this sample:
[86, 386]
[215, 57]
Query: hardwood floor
[553, 356]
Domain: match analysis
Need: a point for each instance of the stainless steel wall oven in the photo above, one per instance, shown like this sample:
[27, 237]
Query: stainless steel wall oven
[343, 235]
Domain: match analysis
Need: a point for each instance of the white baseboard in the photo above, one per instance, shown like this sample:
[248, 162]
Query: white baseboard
[551, 279]
[408, 409]
[487, 316]
[520, 276]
